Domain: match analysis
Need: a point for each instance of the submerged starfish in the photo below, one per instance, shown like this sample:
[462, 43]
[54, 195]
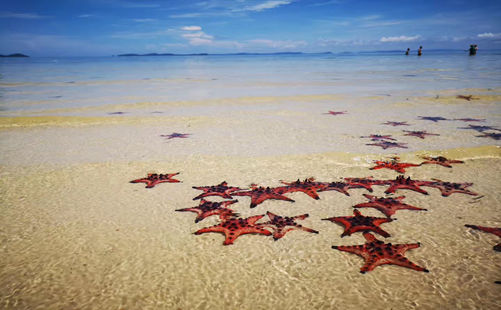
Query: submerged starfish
[480, 128]
[448, 188]
[379, 137]
[386, 205]
[279, 223]
[260, 194]
[336, 113]
[468, 98]
[470, 119]
[377, 253]
[153, 179]
[387, 144]
[176, 135]
[366, 183]
[233, 228]
[440, 160]
[496, 136]
[358, 222]
[405, 183]
[396, 123]
[308, 186]
[341, 187]
[393, 165]
[221, 190]
[491, 230]
[433, 118]
[209, 208]
[420, 133]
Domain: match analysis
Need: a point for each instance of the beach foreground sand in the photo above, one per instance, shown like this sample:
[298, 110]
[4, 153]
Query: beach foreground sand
[75, 234]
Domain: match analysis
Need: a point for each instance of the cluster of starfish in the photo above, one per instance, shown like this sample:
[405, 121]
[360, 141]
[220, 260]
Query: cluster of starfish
[395, 164]
[494, 134]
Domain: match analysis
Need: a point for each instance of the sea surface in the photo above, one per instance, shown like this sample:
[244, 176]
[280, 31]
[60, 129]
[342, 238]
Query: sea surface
[34, 84]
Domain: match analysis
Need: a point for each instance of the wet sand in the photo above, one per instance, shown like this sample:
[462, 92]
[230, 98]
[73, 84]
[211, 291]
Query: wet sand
[76, 234]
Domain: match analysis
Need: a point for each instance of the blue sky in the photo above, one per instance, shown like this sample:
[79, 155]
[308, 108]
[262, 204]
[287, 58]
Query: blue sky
[106, 27]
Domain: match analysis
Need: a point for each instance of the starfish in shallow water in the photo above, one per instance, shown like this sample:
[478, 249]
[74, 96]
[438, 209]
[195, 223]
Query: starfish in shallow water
[221, 190]
[283, 224]
[233, 228]
[153, 179]
[308, 186]
[209, 208]
[440, 160]
[377, 253]
[433, 118]
[419, 133]
[448, 188]
[405, 183]
[470, 119]
[386, 205]
[379, 137]
[393, 165]
[341, 187]
[468, 98]
[387, 144]
[260, 194]
[336, 113]
[480, 128]
[366, 183]
[493, 135]
[176, 135]
[396, 123]
[491, 230]
[359, 222]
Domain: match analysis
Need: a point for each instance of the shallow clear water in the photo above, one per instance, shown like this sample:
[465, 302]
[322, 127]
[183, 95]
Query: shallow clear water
[47, 83]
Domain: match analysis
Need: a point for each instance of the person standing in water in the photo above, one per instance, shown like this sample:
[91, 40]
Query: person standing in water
[473, 49]
[420, 51]
[407, 51]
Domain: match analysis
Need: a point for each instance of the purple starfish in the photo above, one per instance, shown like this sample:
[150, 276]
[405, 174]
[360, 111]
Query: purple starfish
[176, 135]
[433, 118]
[379, 137]
[396, 123]
[388, 144]
[479, 128]
[493, 135]
[470, 119]
[420, 134]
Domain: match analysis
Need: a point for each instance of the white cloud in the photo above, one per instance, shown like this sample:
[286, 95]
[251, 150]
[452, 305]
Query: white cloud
[144, 20]
[489, 35]
[266, 5]
[197, 35]
[400, 39]
[21, 15]
[191, 28]
[85, 15]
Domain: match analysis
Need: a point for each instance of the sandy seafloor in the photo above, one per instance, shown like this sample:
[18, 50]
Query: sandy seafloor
[75, 234]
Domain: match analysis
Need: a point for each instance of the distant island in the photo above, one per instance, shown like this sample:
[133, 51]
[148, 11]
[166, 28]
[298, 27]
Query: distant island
[226, 54]
[15, 55]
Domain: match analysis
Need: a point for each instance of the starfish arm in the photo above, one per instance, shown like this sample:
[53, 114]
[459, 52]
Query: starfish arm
[229, 202]
[215, 228]
[355, 249]
[195, 209]
[397, 260]
[256, 200]
[491, 230]
[386, 211]
[301, 217]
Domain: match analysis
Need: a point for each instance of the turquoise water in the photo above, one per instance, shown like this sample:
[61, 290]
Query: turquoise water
[47, 83]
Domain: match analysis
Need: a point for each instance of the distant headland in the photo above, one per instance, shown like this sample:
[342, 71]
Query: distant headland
[225, 54]
[15, 55]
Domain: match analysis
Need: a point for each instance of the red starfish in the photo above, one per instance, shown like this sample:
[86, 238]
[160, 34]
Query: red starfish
[336, 113]
[233, 228]
[468, 98]
[358, 222]
[387, 144]
[221, 190]
[386, 205]
[366, 183]
[336, 186]
[377, 253]
[393, 165]
[153, 179]
[440, 160]
[308, 186]
[208, 208]
[420, 133]
[260, 194]
[491, 230]
[447, 188]
[379, 137]
[279, 223]
[176, 135]
[470, 119]
[396, 123]
[405, 183]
